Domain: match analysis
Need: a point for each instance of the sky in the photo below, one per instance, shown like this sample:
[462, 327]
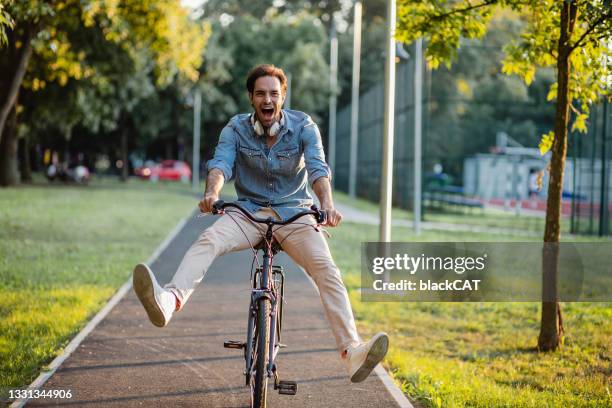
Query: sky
[191, 3]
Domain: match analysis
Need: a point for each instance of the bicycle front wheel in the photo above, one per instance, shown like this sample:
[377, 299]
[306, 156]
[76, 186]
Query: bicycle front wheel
[259, 382]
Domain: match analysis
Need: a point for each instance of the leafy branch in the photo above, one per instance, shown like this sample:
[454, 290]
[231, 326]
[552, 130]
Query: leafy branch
[589, 30]
[464, 9]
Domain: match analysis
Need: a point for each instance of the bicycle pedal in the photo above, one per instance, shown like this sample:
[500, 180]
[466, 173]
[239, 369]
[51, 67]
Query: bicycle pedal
[287, 387]
[281, 345]
[234, 344]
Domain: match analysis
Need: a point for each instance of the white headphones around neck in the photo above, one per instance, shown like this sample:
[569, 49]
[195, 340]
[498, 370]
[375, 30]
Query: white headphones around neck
[259, 129]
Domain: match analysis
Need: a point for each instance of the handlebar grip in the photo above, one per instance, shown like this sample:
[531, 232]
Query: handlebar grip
[217, 206]
[322, 217]
[321, 214]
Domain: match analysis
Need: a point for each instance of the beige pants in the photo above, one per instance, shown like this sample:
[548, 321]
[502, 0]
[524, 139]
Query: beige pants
[306, 246]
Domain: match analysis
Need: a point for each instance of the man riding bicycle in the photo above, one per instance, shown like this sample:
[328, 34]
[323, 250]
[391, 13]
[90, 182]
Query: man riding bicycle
[272, 153]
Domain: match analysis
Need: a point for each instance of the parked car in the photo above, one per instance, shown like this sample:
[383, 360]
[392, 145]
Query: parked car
[172, 170]
[145, 170]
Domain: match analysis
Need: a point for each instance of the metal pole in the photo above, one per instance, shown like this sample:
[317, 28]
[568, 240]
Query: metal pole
[333, 84]
[287, 104]
[197, 107]
[603, 194]
[418, 83]
[355, 99]
[386, 174]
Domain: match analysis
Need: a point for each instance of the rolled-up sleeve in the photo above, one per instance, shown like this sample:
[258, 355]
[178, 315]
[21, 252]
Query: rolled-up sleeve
[225, 153]
[314, 156]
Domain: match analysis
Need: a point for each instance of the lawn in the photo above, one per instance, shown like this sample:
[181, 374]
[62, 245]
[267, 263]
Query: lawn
[481, 354]
[64, 251]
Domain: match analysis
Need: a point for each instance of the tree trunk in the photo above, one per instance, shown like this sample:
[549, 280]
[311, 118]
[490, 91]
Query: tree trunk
[551, 328]
[9, 176]
[9, 100]
[25, 168]
[169, 150]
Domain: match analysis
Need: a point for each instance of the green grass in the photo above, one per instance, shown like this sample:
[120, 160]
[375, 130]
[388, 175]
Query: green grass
[481, 354]
[64, 250]
[488, 217]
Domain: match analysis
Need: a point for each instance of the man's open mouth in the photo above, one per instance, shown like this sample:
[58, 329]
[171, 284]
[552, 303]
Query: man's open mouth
[267, 113]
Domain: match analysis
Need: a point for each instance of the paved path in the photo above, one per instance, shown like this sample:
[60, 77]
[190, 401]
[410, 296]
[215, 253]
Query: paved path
[355, 215]
[127, 362]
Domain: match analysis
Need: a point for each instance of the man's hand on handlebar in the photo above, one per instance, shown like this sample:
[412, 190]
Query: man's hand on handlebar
[333, 217]
[207, 202]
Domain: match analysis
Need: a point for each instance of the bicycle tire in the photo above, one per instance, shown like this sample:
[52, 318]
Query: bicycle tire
[250, 349]
[260, 382]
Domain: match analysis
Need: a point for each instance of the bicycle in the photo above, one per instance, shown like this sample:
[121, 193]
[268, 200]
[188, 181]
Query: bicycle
[264, 326]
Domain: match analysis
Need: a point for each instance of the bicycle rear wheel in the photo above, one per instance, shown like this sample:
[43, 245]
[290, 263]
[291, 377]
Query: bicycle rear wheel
[259, 382]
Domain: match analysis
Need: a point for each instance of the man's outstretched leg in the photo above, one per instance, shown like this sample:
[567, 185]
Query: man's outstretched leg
[308, 248]
[223, 236]
[158, 302]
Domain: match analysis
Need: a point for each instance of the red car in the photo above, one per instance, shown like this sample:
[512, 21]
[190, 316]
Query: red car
[172, 170]
[144, 171]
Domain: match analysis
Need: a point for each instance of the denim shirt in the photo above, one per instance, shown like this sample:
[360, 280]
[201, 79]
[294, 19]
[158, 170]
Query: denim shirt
[278, 177]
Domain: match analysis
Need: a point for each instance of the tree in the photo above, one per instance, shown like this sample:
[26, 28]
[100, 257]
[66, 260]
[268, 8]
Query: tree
[568, 35]
[117, 52]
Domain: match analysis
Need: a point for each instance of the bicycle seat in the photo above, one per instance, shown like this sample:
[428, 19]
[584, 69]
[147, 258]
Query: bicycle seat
[276, 247]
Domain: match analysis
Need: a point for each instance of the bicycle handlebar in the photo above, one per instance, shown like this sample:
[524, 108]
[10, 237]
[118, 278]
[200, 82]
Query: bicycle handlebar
[320, 215]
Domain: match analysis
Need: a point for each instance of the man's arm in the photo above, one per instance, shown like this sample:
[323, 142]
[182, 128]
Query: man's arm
[319, 173]
[214, 182]
[219, 168]
[322, 189]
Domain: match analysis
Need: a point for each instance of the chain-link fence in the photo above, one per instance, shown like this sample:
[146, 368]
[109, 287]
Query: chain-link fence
[481, 164]
[371, 111]
[592, 163]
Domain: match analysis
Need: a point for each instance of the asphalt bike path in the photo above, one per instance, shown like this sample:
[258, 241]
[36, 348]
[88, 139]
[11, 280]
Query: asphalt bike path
[127, 362]
[352, 214]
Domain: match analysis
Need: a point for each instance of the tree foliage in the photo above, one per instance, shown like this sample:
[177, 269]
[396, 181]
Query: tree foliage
[445, 24]
[118, 53]
[99, 57]
[5, 23]
[297, 43]
[470, 102]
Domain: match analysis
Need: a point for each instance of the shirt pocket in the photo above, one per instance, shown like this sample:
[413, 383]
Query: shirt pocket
[289, 161]
[253, 158]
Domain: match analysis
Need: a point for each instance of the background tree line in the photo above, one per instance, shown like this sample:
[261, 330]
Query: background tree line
[99, 71]
[78, 74]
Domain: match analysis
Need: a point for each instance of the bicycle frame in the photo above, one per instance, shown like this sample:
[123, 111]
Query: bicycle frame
[264, 287]
[267, 287]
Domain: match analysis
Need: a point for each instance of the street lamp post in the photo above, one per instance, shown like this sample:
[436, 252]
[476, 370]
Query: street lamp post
[355, 99]
[418, 100]
[333, 84]
[386, 185]
[197, 107]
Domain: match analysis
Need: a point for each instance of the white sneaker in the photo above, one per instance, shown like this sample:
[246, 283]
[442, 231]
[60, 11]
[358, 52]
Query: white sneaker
[157, 301]
[361, 359]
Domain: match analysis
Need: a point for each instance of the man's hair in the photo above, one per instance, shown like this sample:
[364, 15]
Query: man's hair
[265, 70]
